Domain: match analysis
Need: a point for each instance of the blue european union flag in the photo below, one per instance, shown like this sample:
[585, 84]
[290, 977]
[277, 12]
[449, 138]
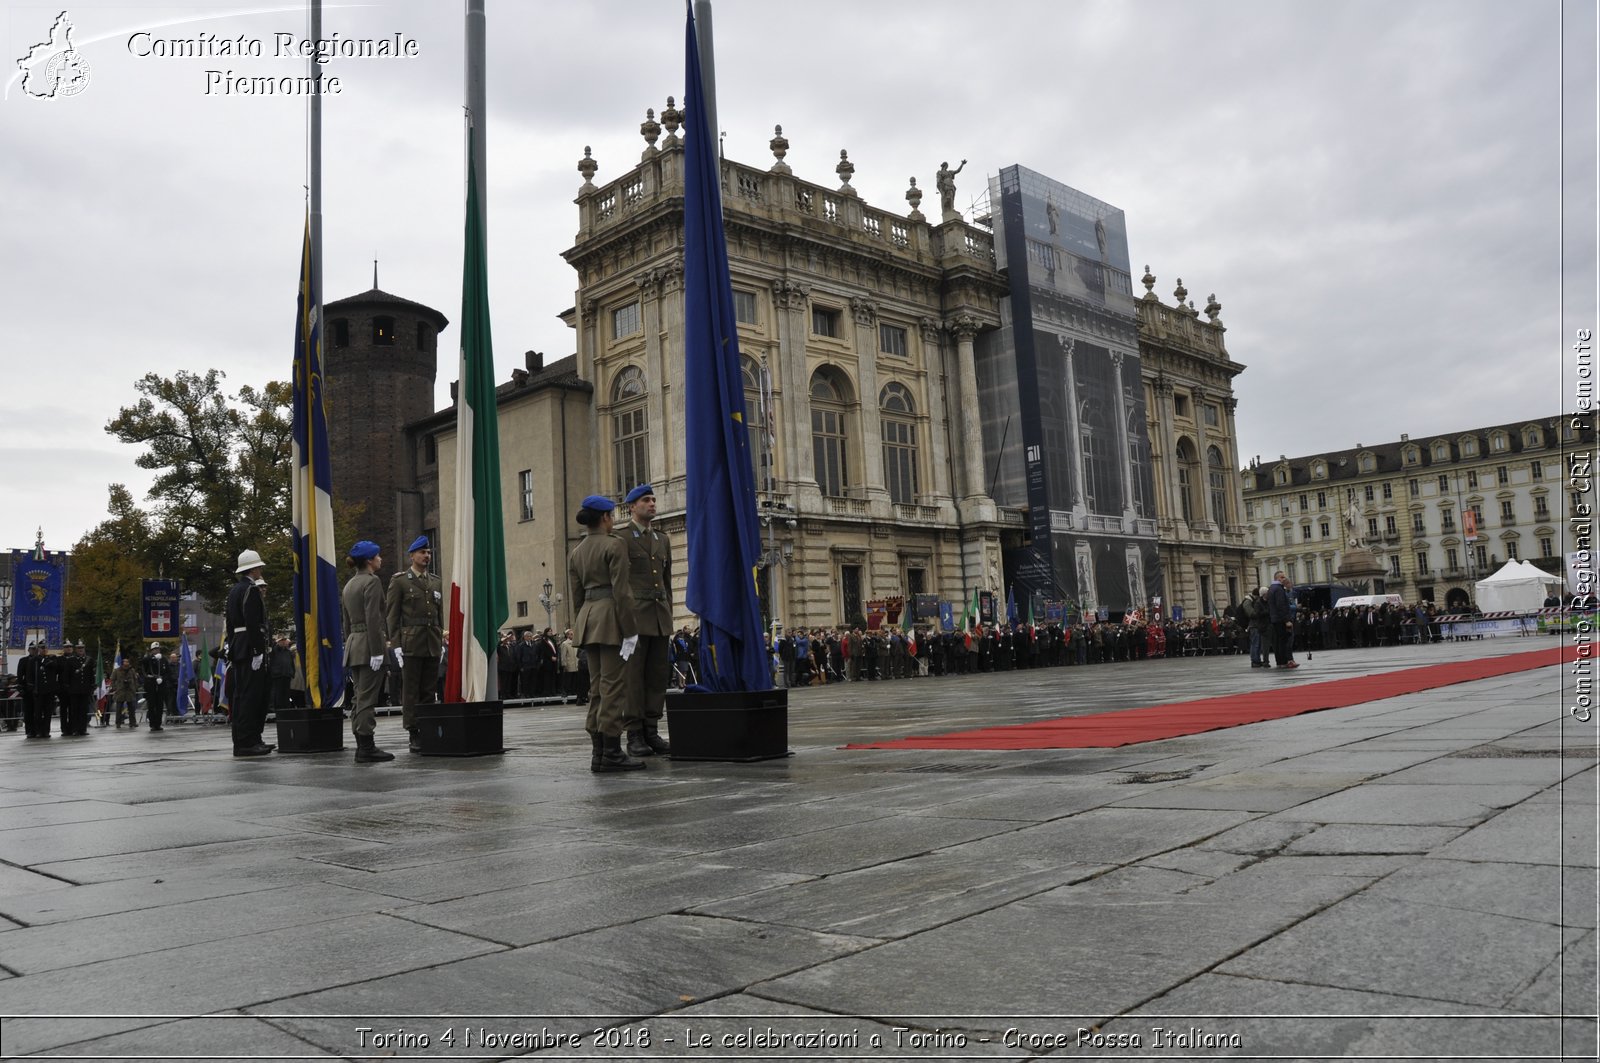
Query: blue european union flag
[316, 564]
[724, 533]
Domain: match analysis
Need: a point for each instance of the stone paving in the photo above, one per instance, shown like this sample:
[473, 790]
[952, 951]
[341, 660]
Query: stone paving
[1410, 878]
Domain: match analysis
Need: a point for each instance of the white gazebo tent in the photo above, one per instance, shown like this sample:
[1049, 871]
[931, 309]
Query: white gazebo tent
[1517, 588]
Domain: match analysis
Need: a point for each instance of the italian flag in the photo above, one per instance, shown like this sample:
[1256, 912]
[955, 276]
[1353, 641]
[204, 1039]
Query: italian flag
[478, 603]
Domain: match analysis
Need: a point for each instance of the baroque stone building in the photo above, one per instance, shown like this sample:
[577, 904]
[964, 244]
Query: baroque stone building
[861, 332]
[856, 327]
[1206, 553]
[1441, 512]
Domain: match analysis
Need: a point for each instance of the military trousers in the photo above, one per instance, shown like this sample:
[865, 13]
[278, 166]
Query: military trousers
[247, 702]
[369, 687]
[647, 670]
[607, 689]
[419, 678]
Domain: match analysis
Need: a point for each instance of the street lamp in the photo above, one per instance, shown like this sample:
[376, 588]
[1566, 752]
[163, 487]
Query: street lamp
[546, 601]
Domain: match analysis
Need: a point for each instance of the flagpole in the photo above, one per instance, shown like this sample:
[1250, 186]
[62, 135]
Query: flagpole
[708, 69]
[476, 118]
[314, 178]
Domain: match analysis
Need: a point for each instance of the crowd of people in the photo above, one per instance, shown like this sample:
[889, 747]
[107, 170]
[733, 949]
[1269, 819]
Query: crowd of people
[821, 655]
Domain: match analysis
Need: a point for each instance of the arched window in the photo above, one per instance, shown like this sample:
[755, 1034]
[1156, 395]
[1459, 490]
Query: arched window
[339, 332]
[1531, 437]
[899, 443]
[1217, 483]
[828, 438]
[383, 332]
[755, 417]
[629, 430]
[1319, 470]
[1469, 446]
[1441, 450]
[1187, 472]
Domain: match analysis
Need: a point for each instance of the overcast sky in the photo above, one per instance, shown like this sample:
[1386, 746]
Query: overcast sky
[1373, 189]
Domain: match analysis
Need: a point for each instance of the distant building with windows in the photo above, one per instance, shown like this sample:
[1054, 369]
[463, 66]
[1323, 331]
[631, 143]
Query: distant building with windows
[1441, 512]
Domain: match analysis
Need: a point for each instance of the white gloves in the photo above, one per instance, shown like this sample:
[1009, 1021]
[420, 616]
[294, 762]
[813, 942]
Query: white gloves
[158, 680]
[255, 662]
[628, 645]
[375, 663]
[399, 657]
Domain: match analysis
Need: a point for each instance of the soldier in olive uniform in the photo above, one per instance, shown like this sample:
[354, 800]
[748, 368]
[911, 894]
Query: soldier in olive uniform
[124, 691]
[650, 667]
[414, 612]
[603, 597]
[365, 644]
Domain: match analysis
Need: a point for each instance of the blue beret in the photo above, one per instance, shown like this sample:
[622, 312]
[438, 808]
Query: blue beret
[421, 543]
[364, 549]
[599, 503]
[638, 493]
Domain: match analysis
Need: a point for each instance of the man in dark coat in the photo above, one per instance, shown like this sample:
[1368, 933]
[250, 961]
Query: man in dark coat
[1280, 621]
[247, 678]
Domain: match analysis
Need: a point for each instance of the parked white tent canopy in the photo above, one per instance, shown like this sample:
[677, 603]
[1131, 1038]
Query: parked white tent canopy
[1513, 589]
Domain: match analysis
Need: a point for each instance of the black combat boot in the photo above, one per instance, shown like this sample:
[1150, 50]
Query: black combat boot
[613, 758]
[652, 738]
[637, 746]
[597, 741]
[413, 744]
[367, 751]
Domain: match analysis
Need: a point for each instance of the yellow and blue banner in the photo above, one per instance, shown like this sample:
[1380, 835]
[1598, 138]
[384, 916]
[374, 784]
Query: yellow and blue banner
[316, 566]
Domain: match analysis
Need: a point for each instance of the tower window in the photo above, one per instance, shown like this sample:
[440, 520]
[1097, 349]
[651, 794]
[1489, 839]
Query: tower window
[339, 332]
[383, 332]
[427, 338]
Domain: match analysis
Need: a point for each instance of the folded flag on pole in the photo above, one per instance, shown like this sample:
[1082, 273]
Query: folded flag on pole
[185, 673]
[102, 686]
[478, 599]
[316, 557]
[724, 539]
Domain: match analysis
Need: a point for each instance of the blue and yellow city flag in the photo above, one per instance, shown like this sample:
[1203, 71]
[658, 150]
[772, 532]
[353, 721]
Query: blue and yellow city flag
[724, 540]
[316, 565]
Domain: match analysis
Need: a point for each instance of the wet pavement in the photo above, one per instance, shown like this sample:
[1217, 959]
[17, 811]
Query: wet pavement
[1411, 878]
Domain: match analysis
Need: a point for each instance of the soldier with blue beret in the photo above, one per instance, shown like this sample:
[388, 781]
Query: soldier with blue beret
[605, 628]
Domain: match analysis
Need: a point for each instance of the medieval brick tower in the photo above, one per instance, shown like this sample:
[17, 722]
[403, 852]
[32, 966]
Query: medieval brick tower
[381, 360]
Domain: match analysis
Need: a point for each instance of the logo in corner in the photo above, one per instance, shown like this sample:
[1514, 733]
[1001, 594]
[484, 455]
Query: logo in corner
[54, 68]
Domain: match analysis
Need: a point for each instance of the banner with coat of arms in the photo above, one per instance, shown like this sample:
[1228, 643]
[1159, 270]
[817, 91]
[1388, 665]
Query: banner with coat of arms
[38, 595]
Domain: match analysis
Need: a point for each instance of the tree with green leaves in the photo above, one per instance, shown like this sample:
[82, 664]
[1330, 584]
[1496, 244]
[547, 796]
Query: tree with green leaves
[222, 485]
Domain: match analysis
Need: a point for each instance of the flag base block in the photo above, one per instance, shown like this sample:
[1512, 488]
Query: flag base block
[461, 729]
[310, 730]
[740, 725]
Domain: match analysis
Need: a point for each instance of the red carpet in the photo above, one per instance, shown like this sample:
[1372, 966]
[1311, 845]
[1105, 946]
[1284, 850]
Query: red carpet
[1153, 722]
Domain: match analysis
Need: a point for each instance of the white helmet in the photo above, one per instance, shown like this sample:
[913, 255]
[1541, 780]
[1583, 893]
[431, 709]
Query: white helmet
[249, 560]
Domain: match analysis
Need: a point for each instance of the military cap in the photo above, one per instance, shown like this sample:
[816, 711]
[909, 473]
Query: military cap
[599, 503]
[638, 493]
[364, 549]
[420, 543]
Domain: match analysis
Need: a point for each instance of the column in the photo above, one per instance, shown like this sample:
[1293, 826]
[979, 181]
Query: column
[865, 313]
[965, 328]
[1200, 397]
[935, 398]
[791, 381]
[1074, 426]
[1168, 481]
[1124, 466]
